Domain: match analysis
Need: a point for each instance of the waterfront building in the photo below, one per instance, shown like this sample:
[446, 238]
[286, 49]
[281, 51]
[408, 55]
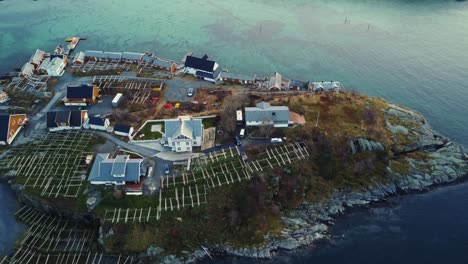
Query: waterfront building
[237, 78]
[163, 65]
[132, 57]
[202, 68]
[27, 70]
[93, 55]
[274, 82]
[79, 58]
[53, 66]
[37, 58]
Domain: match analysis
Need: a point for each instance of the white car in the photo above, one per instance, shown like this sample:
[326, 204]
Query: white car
[276, 140]
[190, 92]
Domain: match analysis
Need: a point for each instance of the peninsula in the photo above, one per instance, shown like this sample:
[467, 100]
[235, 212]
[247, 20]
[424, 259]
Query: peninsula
[124, 156]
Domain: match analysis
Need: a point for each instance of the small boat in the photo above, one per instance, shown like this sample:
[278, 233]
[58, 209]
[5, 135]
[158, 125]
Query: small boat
[68, 39]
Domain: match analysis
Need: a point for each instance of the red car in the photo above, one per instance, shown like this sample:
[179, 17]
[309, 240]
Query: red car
[168, 106]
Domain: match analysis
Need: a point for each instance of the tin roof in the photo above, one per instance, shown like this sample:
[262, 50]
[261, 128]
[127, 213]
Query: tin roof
[202, 64]
[264, 111]
[121, 169]
[84, 91]
[122, 128]
[190, 128]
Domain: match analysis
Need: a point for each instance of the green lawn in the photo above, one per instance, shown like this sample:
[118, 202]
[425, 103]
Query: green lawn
[148, 134]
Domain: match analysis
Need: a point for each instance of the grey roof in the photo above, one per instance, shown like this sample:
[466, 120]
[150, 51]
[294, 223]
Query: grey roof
[132, 56]
[161, 63]
[190, 128]
[120, 169]
[264, 111]
[103, 54]
[148, 58]
[238, 76]
[297, 83]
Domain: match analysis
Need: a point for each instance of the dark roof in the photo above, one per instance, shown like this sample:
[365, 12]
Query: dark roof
[51, 119]
[199, 63]
[75, 118]
[122, 128]
[81, 91]
[204, 74]
[4, 123]
[62, 117]
[97, 121]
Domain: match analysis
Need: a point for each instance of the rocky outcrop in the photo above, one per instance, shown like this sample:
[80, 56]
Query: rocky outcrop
[445, 162]
[361, 144]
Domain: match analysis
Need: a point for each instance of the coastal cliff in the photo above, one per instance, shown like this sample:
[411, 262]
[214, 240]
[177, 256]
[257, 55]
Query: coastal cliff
[442, 162]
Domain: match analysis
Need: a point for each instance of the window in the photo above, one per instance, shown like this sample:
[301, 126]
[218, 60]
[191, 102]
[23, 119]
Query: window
[187, 143]
[178, 148]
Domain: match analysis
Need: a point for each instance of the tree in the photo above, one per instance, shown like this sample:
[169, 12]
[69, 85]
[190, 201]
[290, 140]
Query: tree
[228, 112]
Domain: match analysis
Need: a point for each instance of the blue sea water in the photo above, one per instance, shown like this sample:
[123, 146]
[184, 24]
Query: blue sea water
[9, 228]
[412, 52]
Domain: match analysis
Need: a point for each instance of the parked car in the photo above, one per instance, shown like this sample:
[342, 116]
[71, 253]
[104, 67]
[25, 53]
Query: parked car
[166, 169]
[190, 92]
[242, 133]
[237, 141]
[276, 140]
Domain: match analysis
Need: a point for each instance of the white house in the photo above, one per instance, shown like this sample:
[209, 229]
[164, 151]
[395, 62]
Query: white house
[265, 114]
[53, 66]
[121, 170]
[202, 68]
[183, 133]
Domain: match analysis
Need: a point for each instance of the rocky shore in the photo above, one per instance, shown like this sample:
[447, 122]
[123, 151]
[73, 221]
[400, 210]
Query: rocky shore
[446, 162]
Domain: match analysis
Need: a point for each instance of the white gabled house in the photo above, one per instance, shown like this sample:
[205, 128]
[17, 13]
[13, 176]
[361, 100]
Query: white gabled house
[123, 130]
[97, 123]
[183, 133]
[202, 68]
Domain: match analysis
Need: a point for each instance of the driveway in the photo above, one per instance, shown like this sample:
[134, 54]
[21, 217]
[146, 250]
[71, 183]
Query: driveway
[177, 89]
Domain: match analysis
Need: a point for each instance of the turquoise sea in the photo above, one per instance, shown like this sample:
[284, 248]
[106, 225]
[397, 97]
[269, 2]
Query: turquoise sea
[412, 52]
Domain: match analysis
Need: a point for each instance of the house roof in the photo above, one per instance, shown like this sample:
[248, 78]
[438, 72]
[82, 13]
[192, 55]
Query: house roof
[51, 64]
[62, 117]
[298, 83]
[132, 56]
[27, 69]
[190, 128]
[51, 119]
[83, 91]
[4, 124]
[238, 76]
[148, 58]
[202, 64]
[161, 63]
[327, 85]
[275, 81]
[122, 128]
[264, 111]
[97, 121]
[79, 57]
[103, 54]
[37, 56]
[73, 117]
[121, 168]
[296, 118]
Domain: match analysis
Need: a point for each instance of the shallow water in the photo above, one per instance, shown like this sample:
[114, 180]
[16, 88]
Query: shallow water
[411, 52]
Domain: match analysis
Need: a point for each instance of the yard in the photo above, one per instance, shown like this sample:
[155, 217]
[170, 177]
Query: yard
[152, 130]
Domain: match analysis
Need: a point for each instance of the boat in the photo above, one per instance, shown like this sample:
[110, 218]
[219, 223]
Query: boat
[68, 39]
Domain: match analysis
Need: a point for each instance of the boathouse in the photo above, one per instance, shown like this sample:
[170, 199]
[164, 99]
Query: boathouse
[79, 58]
[237, 78]
[202, 68]
[66, 120]
[27, 70]
[10, 126]
[132, 57]
[93, 55]
[81, 95]
[37, 58]
[162, 64]
[298, 85]
[121, 170]
[275, 82]
[326, 86]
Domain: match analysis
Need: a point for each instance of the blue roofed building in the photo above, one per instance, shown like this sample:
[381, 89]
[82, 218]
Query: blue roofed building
[183, 133]
[123, 130]
[97, 123]
[202, 68]
[264, 114]
[121, 170]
